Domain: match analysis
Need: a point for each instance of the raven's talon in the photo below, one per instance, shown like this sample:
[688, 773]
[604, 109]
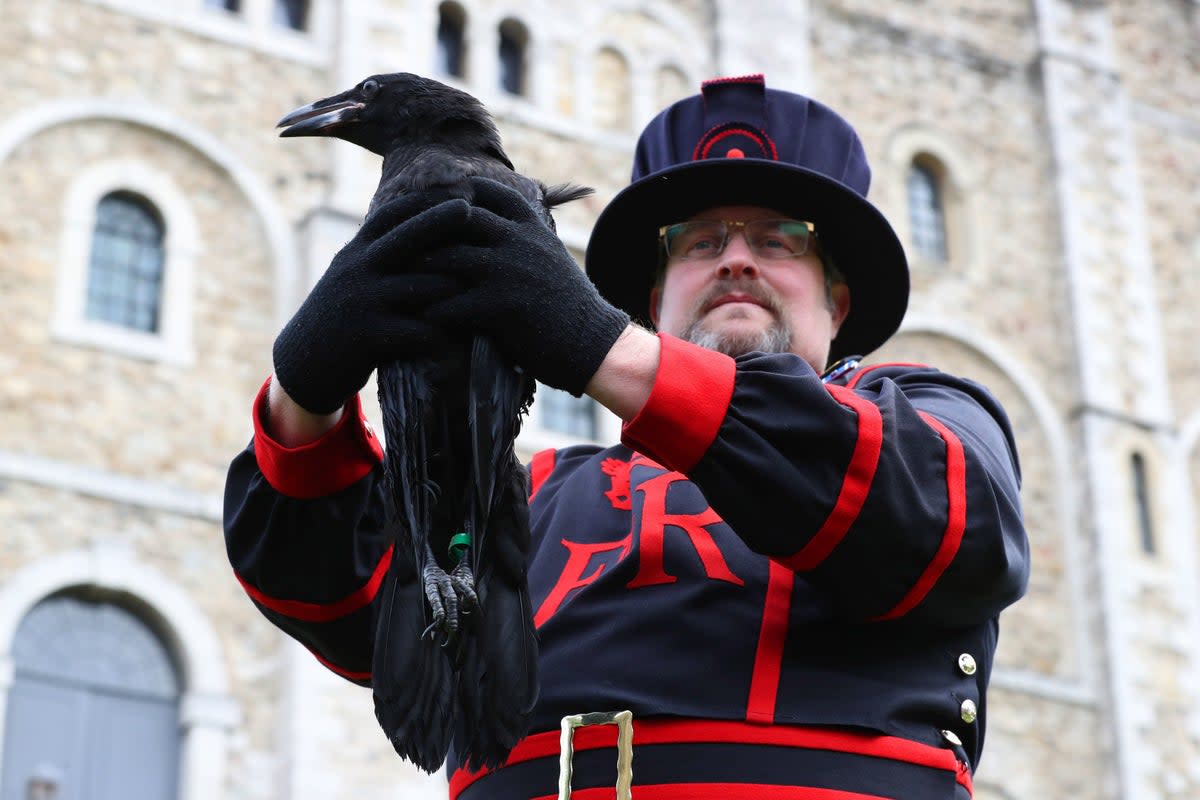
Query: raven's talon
[463, 581]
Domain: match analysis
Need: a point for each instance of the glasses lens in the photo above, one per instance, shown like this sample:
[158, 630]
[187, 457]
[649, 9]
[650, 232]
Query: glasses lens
[778, 238]
[699, 239]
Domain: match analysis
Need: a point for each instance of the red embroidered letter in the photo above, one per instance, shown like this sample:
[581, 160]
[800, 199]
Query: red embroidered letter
[572, 577]
[655, 519]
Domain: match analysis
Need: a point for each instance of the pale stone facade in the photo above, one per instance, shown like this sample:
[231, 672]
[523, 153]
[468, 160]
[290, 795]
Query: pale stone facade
[1068, 137]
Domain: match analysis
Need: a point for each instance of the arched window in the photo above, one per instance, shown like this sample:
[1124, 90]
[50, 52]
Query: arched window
[291, 14]
[125, 269]
[514, 40]
[926, 209]
[564, 413]
[94, 704]
[612, 108]
[451, 51]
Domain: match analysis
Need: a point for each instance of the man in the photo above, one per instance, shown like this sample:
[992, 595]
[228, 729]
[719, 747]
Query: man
[791, 575]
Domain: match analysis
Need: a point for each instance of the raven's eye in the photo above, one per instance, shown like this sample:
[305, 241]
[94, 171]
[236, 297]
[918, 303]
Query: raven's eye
[370, 87]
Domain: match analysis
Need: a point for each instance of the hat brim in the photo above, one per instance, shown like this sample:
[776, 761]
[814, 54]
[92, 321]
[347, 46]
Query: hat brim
[623, 252]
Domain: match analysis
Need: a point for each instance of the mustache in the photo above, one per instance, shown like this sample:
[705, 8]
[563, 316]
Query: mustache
[755, 290]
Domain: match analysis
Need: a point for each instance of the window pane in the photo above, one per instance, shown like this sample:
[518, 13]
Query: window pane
[926, 214]
[291, 14]
[450, 41]
[564, 413]
[126, 265]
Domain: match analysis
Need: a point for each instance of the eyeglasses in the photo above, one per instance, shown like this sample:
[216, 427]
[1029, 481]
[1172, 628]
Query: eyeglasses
[705, 239]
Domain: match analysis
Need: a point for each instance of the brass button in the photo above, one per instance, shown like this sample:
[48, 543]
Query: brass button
[966, 663]
[968, 711]
[952, 738]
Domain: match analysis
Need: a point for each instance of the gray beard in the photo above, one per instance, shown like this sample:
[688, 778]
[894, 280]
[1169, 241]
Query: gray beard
[775, 339]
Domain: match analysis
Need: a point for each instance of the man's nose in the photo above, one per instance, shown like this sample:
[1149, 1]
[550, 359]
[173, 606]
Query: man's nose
[736, 260]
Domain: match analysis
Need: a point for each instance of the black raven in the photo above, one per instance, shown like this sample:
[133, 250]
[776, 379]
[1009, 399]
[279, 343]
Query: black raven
[455, 649]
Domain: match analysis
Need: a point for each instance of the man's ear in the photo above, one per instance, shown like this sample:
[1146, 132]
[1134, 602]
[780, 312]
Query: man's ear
[655, 304]
[841, 305]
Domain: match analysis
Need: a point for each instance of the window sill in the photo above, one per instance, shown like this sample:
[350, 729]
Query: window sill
[124, 342]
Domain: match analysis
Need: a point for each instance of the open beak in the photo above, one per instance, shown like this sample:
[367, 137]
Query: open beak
[316, 119]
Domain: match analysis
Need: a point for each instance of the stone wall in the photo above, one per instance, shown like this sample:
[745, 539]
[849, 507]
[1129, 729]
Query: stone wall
[1069, 137]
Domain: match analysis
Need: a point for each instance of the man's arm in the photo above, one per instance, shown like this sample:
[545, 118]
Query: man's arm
[897, 496]
[623, 382]
[291, 425]
[305, 533]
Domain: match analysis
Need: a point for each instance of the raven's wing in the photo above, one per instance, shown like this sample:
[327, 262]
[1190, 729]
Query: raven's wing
[411, 677]
[498, 679]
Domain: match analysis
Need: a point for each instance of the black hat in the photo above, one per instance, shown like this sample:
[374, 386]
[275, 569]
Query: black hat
[740, 143]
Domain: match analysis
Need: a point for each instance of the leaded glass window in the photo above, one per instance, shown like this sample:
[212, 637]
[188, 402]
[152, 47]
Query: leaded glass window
[125, 270]
[562, 412]
[926, 212]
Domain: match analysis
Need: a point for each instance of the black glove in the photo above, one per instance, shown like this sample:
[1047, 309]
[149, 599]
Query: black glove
[367, 308]
[525, 292]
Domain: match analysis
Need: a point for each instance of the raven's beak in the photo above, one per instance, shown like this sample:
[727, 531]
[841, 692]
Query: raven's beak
[315, 119]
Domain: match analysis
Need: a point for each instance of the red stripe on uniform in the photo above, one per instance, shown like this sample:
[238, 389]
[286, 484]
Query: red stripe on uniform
[323, 612]
[956, 521]
[720, 791]
[540, 467]
[687, 731]
[856, 484]
[345, 673]
[768, 658]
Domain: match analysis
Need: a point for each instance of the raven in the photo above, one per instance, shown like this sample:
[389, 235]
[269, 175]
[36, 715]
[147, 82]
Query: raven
[455, 650]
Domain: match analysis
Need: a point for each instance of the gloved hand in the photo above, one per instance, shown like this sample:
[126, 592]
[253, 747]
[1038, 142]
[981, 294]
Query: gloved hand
[367, 308]
[525, 291]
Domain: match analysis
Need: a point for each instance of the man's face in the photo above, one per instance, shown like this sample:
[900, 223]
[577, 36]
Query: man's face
[737, 303]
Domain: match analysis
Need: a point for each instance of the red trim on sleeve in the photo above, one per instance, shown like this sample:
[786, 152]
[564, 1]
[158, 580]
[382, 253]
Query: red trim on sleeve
[692, 731]
[956, 521]
[856, 484]
[857, 376]
[324, 612]
[540, 467]
[342, 456]
[768, 658]
[334, 668]
[692, 390]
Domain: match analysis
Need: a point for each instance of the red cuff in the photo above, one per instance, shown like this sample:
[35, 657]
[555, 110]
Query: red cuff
[343, 455]
[691, 394]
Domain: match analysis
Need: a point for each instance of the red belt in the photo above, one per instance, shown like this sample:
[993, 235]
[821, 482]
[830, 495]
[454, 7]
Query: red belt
[677, 731]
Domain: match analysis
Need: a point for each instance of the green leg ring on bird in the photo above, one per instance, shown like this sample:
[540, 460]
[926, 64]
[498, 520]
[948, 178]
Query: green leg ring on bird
[460, 543]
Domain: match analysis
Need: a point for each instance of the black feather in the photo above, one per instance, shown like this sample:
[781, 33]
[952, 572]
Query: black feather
[455, 653]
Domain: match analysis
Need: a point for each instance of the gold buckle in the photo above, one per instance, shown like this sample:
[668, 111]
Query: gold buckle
[566, 749]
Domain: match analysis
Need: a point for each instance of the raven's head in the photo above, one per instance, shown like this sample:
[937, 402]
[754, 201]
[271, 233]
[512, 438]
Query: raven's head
[385, 110]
